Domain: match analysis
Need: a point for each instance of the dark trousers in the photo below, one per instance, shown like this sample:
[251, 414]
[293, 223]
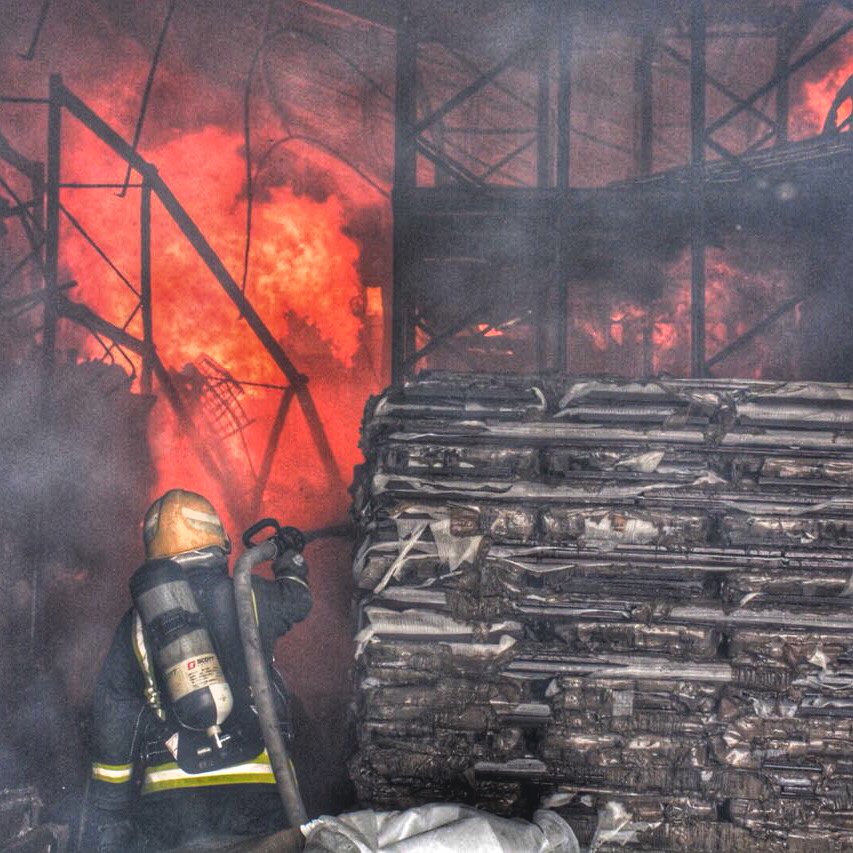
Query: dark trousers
[185, 817]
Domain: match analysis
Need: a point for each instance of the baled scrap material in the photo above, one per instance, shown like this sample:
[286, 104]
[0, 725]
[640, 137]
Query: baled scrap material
[631, 599]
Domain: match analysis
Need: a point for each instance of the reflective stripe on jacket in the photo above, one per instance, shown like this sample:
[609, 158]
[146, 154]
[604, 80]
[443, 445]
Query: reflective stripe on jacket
[115, 774]
[168, 776]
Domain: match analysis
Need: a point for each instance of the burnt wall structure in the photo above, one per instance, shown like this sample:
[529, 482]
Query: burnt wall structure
[628, 600]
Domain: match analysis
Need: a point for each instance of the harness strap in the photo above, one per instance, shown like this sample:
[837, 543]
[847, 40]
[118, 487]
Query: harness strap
[140, 649]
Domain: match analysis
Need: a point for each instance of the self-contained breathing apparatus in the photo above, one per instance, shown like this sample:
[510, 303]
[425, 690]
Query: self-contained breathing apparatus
[173, 641]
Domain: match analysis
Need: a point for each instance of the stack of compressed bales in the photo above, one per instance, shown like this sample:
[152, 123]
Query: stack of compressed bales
[632, 601]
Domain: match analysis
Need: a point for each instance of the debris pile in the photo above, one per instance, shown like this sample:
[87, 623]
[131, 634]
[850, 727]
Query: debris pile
[629, 601]
[20, 826]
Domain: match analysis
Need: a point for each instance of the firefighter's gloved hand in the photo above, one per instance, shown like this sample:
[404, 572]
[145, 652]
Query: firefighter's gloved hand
[290, 564]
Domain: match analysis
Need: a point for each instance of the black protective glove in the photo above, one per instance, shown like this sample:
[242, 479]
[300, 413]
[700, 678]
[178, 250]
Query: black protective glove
[291, 564]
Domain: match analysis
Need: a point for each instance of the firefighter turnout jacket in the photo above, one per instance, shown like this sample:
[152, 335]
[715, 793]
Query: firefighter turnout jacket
[143, 756]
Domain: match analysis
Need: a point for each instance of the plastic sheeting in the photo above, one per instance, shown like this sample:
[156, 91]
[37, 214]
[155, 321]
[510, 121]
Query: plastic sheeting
[438, 827]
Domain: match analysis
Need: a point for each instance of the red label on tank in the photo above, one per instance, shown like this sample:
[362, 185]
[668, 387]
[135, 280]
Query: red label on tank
[191, 665]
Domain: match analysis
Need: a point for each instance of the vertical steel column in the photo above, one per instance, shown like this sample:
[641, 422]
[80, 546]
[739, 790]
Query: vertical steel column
[37, 182]
[644, 87]
[697, 162]
[544, 322]
[543, 115]
[51, 245]
[51, 315]
[405, 178]
[145, 283]
[783, 97]
[564, 115]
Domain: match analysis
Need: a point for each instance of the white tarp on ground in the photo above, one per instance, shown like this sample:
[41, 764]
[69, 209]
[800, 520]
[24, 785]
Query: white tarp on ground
[438, 827]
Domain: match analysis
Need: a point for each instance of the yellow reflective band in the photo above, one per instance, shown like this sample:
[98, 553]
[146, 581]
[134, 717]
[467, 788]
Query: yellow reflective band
[113, 773]
[164, 777]
[255, 607]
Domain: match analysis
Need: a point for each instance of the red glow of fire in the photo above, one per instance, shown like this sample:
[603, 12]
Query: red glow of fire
[303, 282]
[302, 270]
[301, 261]
[656, 338]
[597, 336]
[488, 332]
[817, 96]
[622, 316]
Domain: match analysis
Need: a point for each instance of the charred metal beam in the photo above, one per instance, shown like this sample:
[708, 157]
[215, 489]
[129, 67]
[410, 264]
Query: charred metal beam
[545, 323]
[271, 448]
[446, 339]
[508, 158]
[449, 333]
[18, 209]
[146, 93]
[786, 43]
[803, 22]
[28, 301]
[51, 259]
[23, 211]
[452, 167]
[145, 284]
[31, 255]
[100, 252]
[472, 89]
[29, 168]
[644, 84]
[31, 50]
[500, 87]
[697, 178]
[405, 180]
[731, 157]
[15, 99]
[450, 145]
[780, 75]
[95, 186]
[759, 328]
[562, 266]
[604, 143]
[543, 116]
[84, 316]
[720, 86]
[783, 94]
[205, 251]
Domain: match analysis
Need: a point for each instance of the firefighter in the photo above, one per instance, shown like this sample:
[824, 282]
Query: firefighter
[178, 754]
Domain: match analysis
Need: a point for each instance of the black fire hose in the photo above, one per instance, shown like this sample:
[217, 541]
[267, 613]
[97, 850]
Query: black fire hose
[256, 664]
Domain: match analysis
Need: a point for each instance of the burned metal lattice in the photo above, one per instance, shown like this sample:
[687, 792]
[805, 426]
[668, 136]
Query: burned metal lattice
[219, 396]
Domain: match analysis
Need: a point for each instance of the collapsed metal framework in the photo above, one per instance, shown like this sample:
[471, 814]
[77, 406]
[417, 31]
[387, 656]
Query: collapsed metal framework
[40, 218]
[481, 216]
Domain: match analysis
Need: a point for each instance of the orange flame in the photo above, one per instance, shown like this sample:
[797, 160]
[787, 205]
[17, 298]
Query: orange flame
[655, 338]
[817, 96]
[302, 281]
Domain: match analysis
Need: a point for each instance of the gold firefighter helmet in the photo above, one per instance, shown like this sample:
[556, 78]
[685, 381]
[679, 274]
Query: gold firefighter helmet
[180, 521]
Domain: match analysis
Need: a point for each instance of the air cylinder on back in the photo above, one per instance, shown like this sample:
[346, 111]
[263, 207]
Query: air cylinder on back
[183, 651]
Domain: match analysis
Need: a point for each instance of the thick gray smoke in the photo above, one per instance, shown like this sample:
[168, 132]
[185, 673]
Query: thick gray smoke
[76, 476]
